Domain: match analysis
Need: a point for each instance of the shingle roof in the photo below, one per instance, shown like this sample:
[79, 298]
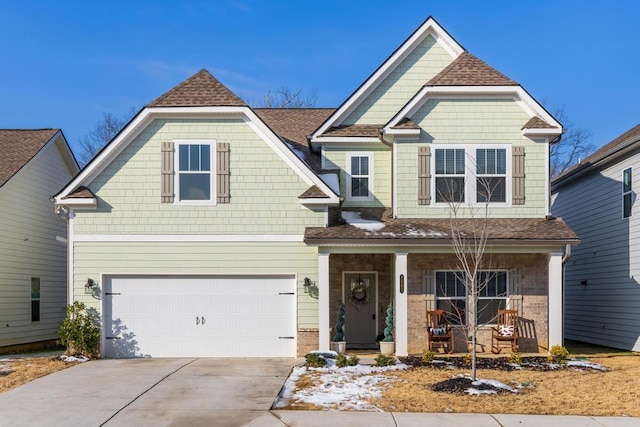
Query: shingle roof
[629, 136]
[201, 89]
[18, 146]
[501, 230]
[295, 125]
[313, 193]
[536, 122]
[354, 130]
[467, 70]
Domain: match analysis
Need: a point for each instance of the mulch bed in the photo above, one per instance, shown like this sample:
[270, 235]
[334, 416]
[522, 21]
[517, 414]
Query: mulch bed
[537, 363]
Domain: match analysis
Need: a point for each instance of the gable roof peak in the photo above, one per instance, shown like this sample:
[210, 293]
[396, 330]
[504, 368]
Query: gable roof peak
[468, 70]
[199, 90]
[18, 147]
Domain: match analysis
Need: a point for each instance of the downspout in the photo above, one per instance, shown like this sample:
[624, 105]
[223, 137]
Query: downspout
[565, 259]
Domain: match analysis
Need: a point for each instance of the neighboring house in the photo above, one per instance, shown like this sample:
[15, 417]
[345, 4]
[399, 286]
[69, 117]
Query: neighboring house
[214, 229]
[597, 199]
[34, 164]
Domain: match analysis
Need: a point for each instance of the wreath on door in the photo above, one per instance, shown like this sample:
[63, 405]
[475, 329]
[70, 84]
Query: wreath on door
[359, 294]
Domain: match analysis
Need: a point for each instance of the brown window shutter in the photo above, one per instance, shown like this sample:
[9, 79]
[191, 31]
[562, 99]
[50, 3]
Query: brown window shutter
[223, 194]
[167, 172]
[424, 175]
[517, 154]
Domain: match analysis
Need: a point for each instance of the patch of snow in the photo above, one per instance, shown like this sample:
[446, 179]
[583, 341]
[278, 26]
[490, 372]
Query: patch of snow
[586, 364]
[339, 388]
[494, 383]
[475, 392]
[414, 232]
[355, 219]
[74, 359]
[331, 179]
[296, 151]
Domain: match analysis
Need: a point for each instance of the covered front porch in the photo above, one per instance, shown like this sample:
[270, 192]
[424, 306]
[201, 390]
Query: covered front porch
[367, 280]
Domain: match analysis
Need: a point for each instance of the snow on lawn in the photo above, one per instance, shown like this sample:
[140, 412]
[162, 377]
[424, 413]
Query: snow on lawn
[355, 219]
[339, 388]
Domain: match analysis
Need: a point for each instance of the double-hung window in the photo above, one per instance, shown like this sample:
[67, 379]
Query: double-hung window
[491, 175]
[450, 175]
[492, 295]
[451, 296]
[195, 175]
[627, 193]
[472, 175]
[360, 181]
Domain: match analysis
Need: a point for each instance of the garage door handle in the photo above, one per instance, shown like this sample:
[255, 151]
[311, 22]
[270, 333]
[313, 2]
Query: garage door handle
[197, 320]
[203, 321]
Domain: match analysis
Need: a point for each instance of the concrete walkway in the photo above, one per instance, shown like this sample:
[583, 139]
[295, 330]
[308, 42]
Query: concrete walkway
[208, 392]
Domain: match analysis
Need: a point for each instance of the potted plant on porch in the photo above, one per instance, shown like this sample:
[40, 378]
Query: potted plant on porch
[339, 345]
[387, 346]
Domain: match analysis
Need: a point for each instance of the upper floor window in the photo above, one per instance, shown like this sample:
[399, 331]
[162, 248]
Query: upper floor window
[35, 299]
[195, 177]
[491, 175]
[471, 175]
[627, 193]
[360, 181]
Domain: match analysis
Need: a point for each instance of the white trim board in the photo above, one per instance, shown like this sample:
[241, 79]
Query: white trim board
[188, 238]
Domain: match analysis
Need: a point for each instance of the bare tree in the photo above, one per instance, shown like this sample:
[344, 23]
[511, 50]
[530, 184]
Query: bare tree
[103, 132]
[285, 97]
[575, 145]
[469, 227]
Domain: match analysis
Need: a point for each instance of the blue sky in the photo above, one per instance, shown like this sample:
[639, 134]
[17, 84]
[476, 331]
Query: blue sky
[66, 63]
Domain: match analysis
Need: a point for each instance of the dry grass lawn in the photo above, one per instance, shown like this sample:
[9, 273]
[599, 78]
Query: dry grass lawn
[15, 372]
[566, 392]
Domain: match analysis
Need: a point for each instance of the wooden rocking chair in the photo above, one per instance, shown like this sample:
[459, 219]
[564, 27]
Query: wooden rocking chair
[506, 331]
[439, 332]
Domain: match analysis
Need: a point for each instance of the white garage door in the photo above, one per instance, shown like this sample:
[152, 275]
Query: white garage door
[198, 316]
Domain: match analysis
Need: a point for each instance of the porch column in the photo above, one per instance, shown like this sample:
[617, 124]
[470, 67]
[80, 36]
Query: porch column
[401, 304]
[323, 302]
[555, 299]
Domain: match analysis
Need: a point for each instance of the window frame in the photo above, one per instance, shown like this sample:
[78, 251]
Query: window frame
[35, 315]
[351, 176]
[458, 274]
[471, 176]
[212, 171]
[627, 193]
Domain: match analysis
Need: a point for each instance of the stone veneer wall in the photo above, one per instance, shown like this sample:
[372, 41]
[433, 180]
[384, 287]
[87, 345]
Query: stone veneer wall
[307, 341]
[534, 316]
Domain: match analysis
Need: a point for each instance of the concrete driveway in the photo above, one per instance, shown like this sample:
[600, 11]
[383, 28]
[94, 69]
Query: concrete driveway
[158, 392]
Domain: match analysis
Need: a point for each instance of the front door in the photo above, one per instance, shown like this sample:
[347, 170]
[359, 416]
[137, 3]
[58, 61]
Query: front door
[360, 297]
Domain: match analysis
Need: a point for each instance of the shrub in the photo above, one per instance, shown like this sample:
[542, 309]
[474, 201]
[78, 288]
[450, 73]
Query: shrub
[467, 359]
[314, 360]
[388, 330]
[385, 360]
[558, 354]
[428, 355]
[343, 360]
[80, 330]
[515, 358]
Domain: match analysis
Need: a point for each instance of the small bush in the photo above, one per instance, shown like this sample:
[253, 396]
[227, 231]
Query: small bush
[80, 330]
[385, 360]
[515, 358]
[314, 360]
[558, 354]
[343, 360]
[467, 359]
[428, 355]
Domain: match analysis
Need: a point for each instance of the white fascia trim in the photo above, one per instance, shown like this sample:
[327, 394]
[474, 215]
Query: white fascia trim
[430, 27]
[401, 132]
[288, 155]
[316, 202]
[137, 125]
[524, 100]
[541, 132]
[79, 203]
[347, 140]
[188, 238]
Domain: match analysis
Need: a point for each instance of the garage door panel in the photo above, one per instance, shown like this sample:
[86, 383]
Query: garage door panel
[196, 316]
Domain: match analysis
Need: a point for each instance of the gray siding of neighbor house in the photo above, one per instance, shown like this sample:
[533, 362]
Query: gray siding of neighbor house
[29, 247]
[605, 310]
